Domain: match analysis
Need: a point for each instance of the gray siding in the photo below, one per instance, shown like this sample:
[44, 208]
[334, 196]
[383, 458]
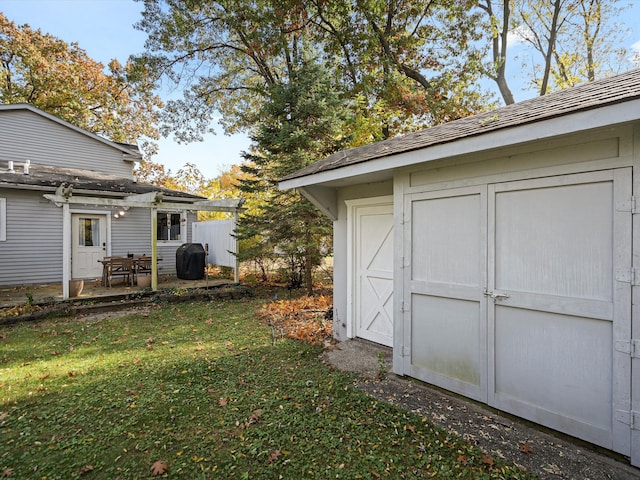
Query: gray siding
[25, 135]
[32, 253]
[132, 234]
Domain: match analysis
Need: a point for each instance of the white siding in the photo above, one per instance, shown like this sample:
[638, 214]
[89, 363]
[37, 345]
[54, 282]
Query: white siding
[25, 135]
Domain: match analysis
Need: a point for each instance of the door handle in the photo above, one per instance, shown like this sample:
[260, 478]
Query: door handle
[495, 295]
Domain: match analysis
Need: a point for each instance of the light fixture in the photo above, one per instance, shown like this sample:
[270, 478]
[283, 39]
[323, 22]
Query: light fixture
[116, 216]
[121, 213]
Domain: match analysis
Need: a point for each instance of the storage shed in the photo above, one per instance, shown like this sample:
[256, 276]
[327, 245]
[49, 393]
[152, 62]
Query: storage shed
[498, 256]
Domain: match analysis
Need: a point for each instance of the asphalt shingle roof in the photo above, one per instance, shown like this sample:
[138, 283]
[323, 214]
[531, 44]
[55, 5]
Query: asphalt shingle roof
[49, 178]
[600, 93]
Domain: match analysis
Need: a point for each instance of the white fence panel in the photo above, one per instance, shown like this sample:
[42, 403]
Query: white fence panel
[218, 235]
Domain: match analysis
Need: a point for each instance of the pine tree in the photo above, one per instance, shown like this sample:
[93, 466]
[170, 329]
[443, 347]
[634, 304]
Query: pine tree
[301, 122]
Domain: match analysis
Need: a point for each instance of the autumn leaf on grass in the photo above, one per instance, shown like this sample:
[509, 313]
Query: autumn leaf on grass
[86, 469]
[487, 460]
[6, 473]
[158, 468]
[255, 416]
[274, 456]
[462, 459]
[223, 402]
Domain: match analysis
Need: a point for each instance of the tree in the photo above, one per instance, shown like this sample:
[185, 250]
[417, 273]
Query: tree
[302, 120]
[405, 64]
[573, 40]
[60, 78]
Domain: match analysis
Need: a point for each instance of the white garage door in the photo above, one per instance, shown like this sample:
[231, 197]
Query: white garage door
[372, 274]
[518, 296]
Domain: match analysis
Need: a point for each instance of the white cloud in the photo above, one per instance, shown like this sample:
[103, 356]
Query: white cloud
[518, 36]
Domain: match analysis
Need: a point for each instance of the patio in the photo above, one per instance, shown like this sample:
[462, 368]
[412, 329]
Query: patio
[45, 293]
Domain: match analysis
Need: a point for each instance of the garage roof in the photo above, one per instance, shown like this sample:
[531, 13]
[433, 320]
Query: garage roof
[584, 98]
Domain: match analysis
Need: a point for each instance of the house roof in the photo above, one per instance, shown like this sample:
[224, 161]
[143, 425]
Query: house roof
[48, 178]
[124, 147]
[589, 96]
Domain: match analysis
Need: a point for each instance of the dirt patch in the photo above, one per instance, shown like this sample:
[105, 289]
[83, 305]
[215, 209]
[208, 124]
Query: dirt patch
[548, 454]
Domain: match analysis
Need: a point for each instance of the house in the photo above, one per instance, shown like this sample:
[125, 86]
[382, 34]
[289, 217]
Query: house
[498, 255]
[68, 198]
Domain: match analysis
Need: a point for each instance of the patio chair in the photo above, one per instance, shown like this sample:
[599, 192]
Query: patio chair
[143, 266]
[120, 267]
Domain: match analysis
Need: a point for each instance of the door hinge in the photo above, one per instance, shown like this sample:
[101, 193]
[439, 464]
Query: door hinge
[630, 347]
[629, 205]
[627, 275]
[629, 417]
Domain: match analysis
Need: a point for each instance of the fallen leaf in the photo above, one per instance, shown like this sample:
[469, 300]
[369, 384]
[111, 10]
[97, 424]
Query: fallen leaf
[6, 473]
[487, 460]
[158, 468]
[255, 416]
[223, 402]
[3, 415]
[274, 456]
[136, 360]
[45, 377]
[462, 459]
[525, 448]
[86, 469]
[149, 341]
[411, 428]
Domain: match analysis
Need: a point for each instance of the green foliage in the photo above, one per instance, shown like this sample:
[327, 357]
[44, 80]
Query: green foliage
[302, 121]
[409, 64]
[116, 101]
[201, 388]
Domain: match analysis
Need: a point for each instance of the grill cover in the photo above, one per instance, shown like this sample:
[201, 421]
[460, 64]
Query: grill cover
[190, 261]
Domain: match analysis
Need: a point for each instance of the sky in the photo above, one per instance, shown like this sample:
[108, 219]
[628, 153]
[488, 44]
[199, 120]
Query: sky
[104, 29]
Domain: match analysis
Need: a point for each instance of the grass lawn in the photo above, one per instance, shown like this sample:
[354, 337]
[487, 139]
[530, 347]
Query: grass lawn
[199, 390]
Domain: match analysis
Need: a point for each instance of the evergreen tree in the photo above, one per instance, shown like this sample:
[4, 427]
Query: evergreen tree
[302, 121]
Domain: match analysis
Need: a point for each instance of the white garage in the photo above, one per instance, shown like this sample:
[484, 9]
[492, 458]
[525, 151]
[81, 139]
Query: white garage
[496, 255]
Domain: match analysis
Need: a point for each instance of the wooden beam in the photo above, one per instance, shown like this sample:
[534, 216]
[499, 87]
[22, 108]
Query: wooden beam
[151, 197]
[199, 205]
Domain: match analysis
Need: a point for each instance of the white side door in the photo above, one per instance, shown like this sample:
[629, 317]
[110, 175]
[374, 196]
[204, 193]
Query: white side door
[88, 244]
[372, 271]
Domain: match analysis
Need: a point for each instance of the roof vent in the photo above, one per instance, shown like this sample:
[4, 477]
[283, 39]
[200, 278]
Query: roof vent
[27, 164]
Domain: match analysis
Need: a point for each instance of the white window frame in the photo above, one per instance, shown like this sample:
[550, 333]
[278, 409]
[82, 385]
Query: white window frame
[183, 227]
[3, 219]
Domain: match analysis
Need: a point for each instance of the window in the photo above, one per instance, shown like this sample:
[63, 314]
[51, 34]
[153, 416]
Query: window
[89, 232]
[3, 219]
[170, 226]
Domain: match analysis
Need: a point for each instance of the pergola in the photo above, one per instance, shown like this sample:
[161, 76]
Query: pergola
[63, 197]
